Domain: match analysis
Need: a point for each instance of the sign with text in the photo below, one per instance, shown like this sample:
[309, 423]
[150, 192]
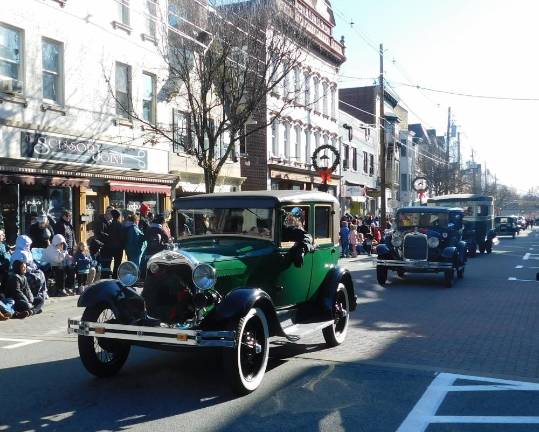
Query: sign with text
[54, 148]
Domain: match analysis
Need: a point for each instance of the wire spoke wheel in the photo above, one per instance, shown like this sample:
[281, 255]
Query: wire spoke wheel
[335, 334]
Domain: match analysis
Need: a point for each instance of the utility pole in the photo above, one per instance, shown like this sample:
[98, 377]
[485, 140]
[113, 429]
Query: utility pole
[447, 167]
[383, 211]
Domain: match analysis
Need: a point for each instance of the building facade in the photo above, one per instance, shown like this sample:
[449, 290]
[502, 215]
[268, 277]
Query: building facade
[280, 156]
[71, 76]
[359, 167]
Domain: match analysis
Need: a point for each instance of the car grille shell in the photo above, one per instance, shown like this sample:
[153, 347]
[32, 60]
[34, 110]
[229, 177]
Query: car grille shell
[415, 247]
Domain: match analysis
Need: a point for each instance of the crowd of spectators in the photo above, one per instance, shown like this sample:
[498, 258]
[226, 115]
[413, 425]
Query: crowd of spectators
[360, 234]
[47, 261]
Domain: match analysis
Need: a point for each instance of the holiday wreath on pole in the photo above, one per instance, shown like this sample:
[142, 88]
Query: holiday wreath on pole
[325, 172]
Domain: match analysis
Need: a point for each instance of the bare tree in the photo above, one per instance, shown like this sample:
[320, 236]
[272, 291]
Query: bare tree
[223, 61]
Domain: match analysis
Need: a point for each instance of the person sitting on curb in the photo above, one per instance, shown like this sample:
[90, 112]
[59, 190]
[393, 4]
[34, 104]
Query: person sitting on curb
[64, 274]
[19, 290]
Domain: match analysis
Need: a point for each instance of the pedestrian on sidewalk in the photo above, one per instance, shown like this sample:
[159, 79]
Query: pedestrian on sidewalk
[35, 276]
[353, 240]
[135, 242]
[344, 239]
[62, 266]
[65, 228]
[19, 290]
[85, 266]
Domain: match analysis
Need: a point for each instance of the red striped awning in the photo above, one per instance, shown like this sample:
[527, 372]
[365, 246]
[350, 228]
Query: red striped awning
[139, 187]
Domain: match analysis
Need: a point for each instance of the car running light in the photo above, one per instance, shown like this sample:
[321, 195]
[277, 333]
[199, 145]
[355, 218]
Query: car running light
[396, 240]
[433, 242]
[204, 277]
[153, 267]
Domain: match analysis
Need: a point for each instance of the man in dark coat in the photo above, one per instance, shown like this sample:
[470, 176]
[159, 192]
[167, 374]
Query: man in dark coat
[41, 233]
[114, 243]
[64, 227]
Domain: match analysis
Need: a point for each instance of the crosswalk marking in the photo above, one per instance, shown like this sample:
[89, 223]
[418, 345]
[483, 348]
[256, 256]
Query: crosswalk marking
[20, 342]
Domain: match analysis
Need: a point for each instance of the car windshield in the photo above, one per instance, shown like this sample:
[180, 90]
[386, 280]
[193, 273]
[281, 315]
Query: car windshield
[503, 220]
[423, 220]
[251, 222]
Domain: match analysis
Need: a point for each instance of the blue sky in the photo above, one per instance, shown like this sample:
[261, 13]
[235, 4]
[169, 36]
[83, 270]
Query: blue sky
[483, 47]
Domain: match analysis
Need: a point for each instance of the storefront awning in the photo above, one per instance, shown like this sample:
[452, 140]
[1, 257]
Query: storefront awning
[30, 180]
[139, 187]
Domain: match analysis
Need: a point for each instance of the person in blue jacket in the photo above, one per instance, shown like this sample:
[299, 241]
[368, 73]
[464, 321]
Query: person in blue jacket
[135, 242]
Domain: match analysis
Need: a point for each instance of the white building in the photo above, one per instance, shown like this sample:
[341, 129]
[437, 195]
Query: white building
[359, 151]
[66, 139]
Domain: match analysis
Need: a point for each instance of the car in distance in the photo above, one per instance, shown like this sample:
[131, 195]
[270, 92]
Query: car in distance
[247, 266]
[425, 240]
[506, 226]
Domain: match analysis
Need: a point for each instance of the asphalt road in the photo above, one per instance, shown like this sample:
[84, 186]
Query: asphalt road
[418, 357]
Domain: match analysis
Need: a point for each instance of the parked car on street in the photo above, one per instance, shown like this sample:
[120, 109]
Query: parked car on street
[479, 233]
[425, 240]
[506, 226]
[250, 266]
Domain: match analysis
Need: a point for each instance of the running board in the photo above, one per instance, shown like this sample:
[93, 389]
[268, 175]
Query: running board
[298, 331]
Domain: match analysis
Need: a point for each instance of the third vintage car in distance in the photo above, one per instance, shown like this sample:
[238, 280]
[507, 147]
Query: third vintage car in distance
[425, 240]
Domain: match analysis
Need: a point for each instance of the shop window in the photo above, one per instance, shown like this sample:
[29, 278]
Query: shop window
[117, 200]
[148, 97]
[123, 91]
[11, 55]
[322, 224]
[52, 70]
[133, 200]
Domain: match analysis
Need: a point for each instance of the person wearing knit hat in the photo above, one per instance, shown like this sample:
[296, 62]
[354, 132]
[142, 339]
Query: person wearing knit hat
[143, 220]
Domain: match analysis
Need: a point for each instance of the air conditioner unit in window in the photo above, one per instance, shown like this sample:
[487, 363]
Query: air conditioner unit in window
[10, 85]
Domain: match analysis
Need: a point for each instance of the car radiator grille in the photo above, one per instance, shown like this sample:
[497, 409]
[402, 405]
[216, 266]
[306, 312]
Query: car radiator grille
[415, 247]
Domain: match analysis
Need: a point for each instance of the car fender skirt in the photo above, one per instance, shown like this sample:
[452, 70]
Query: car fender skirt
[237, 303]
[383, 251]
[125, 302]
[491, 234]
[449, 252]
[326, 294]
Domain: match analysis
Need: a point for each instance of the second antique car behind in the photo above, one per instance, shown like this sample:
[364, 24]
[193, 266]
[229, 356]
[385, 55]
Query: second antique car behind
[248, 266]
[425, 240]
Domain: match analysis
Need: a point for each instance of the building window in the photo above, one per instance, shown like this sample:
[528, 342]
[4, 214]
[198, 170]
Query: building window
[148, 98]
[308, 147]
[346, 157]
[286, 79]
[123, 11]
[404, 182]
[325, 98]
[365, 162]
[275, 137]
[123, 90]
[354, 159]
[298, 144]
[151, 17]
[333, 108]
[316, 94]
[403, 150]
[307, 92]
[10, 57]
[52, 73]
[183, 132]
[287, 141]
[316, 140]
[297, 84]
[371, 165]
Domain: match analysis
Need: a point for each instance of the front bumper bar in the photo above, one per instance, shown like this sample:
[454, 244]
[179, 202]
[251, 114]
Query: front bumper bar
[419, 265]
[164, 335]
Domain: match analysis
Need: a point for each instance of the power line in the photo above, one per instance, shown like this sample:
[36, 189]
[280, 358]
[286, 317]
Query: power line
[454, 93]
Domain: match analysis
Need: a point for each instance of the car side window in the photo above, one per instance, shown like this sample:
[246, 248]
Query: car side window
[322, 224]
[295, 219]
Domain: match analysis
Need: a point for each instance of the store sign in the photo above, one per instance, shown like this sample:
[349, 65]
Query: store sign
[354, 191]
[53, 148]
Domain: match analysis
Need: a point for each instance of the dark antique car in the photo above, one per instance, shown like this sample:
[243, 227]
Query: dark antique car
[247, 266]
[425, 240]
[506, 226]
[478, 210]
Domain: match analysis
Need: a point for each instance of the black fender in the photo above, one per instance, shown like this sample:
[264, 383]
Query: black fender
[383, 250]
[127, 305]
[491, 234]
[236, 303]
[326, 293]
[449, 252]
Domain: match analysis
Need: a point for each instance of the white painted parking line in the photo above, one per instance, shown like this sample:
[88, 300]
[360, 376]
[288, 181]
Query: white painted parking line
[519, 266]
[526, 256]
[424, 412]
[513, 279]
[20, 342]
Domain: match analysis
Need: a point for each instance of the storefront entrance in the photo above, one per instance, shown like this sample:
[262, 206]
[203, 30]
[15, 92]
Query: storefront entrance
[38, 200]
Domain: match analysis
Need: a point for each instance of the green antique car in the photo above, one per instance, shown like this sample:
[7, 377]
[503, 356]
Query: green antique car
[247, 266]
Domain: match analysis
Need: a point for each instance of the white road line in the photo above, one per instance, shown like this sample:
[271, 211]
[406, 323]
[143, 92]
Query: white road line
[526, 256]
[20, 342]
[424, 412]
[519, 266]
[519, 280]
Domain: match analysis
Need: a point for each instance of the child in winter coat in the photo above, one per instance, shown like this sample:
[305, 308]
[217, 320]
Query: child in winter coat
[345, 239]
[19, 290]
[64, 273]
[85, 265]
[35, 277]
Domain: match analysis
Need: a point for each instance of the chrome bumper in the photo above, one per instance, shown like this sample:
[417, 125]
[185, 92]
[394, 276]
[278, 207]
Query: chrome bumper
[412, 264]
[164, 335]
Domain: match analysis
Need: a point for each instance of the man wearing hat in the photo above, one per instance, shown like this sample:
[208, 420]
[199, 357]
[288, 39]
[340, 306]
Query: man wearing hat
[65, 228]
[41, 232]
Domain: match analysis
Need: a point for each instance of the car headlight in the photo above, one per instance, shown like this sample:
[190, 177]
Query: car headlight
[444, 235]
[204, 277]
[153, 267]
[396, 240]
[128, 273]
[433, 242]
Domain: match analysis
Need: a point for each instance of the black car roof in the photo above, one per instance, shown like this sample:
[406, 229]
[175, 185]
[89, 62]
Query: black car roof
[461, 197]
[255, 199]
